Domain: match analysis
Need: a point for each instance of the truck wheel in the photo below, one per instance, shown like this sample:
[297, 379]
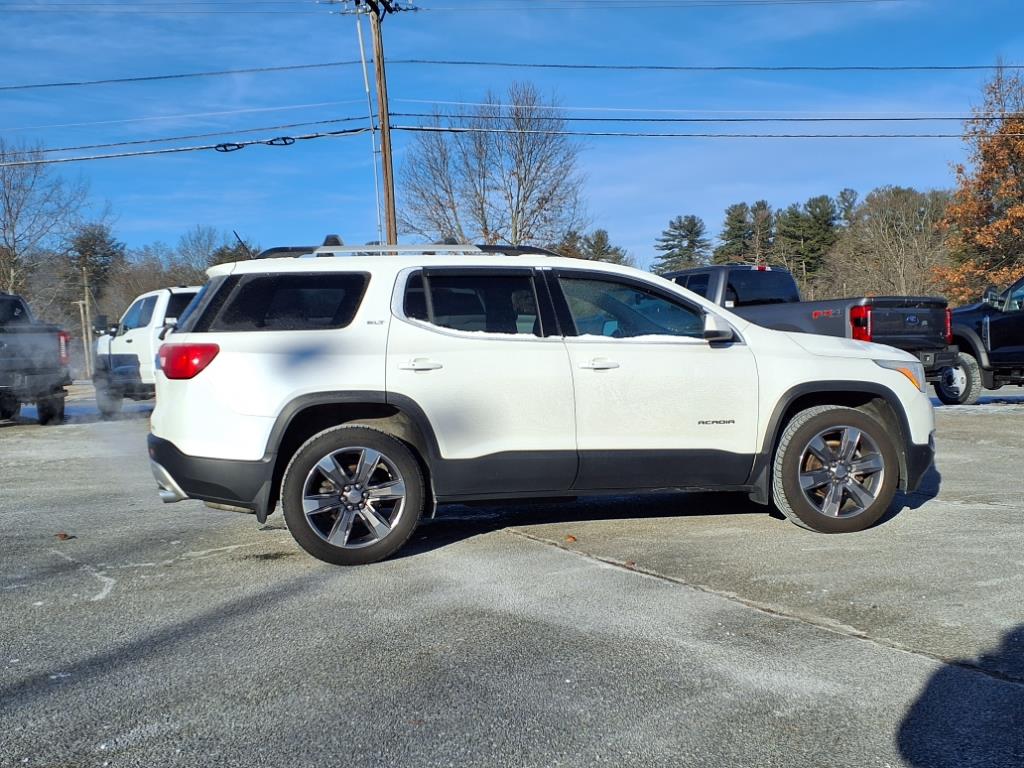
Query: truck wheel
[107, 401]
[836, 470]
[352, 495]
[960, 385]
[9, 408]
[50, 410]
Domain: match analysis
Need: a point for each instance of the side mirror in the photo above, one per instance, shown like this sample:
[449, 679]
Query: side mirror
[716, 329]
[100, 323]
[170, 323]
[990, 296]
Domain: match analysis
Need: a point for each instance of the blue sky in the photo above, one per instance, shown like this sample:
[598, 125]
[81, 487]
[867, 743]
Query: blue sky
[282, 195]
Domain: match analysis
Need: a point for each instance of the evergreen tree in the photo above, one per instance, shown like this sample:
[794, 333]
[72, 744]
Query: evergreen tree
[805, 234]
[762, 223]
[847, 203]
[684, 244]
[597, 246]
[571, 245]
[737, 235]
[95, 250]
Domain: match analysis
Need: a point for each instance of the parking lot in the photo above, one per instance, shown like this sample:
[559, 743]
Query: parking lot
[690, 629]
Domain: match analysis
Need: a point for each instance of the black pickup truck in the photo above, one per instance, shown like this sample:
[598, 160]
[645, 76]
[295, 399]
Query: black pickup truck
[990, 335]
[769, 297]
[33, 363]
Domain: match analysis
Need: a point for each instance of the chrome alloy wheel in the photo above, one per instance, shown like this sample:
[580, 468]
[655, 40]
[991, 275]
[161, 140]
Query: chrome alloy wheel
[841, 471]
[953, 382]
[353, 497]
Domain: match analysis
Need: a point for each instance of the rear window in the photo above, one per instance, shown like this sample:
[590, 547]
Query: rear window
[12, 311]
[698, 284]
[283, 302]
[177, 304]
[488, 302]
[751, 286]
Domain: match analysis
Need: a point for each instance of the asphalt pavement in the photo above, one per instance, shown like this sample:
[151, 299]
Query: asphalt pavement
[692, 629]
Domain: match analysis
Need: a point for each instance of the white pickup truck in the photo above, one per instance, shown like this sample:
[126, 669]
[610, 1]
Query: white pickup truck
[126, 352]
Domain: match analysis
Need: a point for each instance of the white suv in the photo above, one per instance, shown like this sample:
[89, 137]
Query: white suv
[362, 387]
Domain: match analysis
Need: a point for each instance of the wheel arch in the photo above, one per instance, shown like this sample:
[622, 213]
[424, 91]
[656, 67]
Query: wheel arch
[969, 341]
[875, 399]
[307, 415]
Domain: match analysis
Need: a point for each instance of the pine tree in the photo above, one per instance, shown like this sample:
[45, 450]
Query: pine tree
[762, 222]
[597, 246]
[684, 244]
[95, 250]
[805, 234]
[737, 235]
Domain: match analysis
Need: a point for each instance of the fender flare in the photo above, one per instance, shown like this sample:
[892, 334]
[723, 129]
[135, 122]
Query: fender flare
[976, 346]
[760, 474]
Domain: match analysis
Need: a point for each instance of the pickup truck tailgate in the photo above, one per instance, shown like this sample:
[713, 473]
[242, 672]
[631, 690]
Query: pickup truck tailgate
[908, 323]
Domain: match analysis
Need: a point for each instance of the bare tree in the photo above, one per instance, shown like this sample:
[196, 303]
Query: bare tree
[503, 174]
[892, 245]
[196, 248]
[38, 210]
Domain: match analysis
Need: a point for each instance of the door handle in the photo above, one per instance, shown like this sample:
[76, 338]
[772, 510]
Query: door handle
[127, 341]
[420, 364]
[599, 364]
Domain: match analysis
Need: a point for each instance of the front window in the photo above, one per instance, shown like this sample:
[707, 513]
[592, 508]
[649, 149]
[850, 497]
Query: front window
[620, 310]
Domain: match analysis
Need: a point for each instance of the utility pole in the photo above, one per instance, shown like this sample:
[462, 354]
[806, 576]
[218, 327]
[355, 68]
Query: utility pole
[377, 10]
[86, 350]
[88, 324]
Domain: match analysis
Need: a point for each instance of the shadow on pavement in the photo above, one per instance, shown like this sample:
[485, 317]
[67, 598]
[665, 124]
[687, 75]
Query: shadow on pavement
[929, 489]
[965, 718]
[457, 522]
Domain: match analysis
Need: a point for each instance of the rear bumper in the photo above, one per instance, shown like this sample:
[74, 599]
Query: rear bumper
[27, 386]
[919, 460]
[934, 360]
[223, 481]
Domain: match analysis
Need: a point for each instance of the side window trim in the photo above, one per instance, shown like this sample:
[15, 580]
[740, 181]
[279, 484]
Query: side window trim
[562, 304]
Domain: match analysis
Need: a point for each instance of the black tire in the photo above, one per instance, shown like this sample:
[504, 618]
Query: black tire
[9, 408]
[346, 441]
[50, 410]
[967, 394]
[792, 459]
[108, 402]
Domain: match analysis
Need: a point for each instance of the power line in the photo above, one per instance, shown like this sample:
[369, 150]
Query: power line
[716, 68]
[643, 134]
[918, 119]
[692, 68]
[151, 118]
[276, 141]
[177, 76]
[194, 136]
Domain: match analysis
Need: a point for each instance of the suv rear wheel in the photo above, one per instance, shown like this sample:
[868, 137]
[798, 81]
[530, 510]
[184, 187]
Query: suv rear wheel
[836, 470]
[352, 495]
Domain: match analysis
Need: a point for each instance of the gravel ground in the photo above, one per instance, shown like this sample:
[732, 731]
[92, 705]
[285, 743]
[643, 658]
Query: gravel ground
[673, 630]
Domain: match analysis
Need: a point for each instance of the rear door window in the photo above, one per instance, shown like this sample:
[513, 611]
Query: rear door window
[177, 304]
[486, 301]
[287, 302]
[750, 286]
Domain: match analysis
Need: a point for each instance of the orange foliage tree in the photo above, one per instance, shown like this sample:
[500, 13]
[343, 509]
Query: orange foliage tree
[985, 219]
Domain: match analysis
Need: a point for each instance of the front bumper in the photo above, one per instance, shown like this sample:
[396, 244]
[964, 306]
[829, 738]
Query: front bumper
[919, 460]
[223, 481]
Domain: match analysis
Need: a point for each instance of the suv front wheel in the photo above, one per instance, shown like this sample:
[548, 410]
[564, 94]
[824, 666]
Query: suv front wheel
[352, 495]
[836, 470]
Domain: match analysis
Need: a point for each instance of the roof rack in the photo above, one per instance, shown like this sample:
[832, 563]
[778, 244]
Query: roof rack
[397, 250]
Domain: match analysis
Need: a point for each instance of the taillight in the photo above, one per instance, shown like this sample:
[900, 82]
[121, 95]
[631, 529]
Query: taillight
[860, 322]
[63, 345]
[185, 361]
[949, 326]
